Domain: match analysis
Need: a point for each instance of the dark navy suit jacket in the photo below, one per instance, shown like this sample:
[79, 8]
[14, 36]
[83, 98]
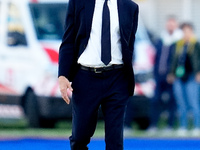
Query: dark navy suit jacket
[159, 48]
[77, 32]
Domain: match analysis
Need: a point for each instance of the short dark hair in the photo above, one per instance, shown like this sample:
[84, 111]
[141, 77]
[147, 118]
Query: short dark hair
[187, 24]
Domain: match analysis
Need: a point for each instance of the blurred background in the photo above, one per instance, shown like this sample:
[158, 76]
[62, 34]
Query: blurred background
[30, 101]
[155, 12]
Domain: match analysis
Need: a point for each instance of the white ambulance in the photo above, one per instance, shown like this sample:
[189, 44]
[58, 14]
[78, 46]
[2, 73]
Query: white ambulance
[30, 35]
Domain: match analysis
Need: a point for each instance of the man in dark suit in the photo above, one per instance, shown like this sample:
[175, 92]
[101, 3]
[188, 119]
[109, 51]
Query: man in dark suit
[96, 56]
[163, 99]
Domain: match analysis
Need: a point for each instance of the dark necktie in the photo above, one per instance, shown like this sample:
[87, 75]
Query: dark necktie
[105, 35]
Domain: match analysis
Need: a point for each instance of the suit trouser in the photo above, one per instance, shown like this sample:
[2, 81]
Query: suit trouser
[90, 91]
[159, 104]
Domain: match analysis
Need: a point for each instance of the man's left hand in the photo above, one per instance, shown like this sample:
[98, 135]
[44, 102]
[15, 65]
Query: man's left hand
[197, 77]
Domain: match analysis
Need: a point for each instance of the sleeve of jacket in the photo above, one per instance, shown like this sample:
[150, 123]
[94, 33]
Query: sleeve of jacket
[135, 21]
[66, 51]
[173, 59]
[196, 58]
[135, 26]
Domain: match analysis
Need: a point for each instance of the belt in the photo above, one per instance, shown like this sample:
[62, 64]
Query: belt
[101, 69]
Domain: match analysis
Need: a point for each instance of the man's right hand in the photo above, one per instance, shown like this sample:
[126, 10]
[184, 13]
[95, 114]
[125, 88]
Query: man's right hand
[64, 85]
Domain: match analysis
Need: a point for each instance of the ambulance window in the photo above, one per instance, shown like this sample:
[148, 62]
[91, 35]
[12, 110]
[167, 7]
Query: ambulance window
[48, 20]
[15, 35]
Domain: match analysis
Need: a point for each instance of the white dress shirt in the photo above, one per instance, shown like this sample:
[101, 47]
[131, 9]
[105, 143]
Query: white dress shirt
[91, 57]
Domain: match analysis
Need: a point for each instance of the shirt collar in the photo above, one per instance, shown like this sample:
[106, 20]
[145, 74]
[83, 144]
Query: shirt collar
[107, 0]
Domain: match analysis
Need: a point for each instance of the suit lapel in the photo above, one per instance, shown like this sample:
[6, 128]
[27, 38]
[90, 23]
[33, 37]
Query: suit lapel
[120, 11]
[89, 11]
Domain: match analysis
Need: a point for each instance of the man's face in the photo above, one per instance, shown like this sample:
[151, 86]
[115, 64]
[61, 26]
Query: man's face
[187, 32]
[171, 25]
